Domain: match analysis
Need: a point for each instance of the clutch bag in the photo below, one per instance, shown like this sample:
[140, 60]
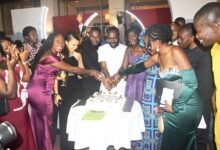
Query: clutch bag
[168, 90]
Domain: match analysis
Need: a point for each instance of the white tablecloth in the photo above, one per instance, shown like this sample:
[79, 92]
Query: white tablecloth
[117, 128]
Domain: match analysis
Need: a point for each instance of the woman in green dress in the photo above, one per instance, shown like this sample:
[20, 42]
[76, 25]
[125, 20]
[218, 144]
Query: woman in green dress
[182, 118]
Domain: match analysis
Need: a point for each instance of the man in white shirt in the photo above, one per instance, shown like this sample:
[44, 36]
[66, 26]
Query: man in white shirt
[110, 57]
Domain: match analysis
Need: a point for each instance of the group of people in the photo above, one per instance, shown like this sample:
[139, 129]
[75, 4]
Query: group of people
[38, 70]
[53, 75]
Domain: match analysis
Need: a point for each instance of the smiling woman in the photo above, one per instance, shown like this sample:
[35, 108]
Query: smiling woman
[45, 67]
[135, 83]
[71, 91]
[17, 100]
[182, 118]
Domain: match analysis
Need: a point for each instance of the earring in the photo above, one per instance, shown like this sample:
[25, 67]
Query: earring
[158, 49]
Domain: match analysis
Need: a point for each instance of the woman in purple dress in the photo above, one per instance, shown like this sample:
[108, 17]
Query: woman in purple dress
[135, 82]
[45, 67]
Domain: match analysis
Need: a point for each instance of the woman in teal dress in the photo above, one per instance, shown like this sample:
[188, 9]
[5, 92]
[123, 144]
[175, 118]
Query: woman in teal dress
[182, 118]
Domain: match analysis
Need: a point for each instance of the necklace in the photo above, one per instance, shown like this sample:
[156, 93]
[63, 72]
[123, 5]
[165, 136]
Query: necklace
[71, 53]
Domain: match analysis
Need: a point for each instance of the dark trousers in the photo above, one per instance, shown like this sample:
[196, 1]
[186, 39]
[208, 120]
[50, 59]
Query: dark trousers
[202, 135]
[54, 125]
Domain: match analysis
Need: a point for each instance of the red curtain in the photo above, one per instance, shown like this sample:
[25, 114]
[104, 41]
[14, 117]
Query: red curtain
[64, 24]
[152, 16]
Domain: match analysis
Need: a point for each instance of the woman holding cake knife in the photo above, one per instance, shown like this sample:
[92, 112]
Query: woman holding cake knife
[68, 89]
[181, 119]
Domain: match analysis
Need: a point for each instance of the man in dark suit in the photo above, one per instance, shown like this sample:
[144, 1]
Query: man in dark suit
[89, 54]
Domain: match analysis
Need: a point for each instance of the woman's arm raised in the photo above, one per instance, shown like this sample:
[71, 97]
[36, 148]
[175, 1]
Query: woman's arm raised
[9, 90]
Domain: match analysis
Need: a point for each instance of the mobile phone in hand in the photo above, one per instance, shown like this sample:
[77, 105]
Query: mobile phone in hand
[59, 102]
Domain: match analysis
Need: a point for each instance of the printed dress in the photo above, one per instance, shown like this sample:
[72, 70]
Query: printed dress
[151, 136]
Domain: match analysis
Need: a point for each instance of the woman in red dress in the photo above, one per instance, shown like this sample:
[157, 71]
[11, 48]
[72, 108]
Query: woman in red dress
[18, 115]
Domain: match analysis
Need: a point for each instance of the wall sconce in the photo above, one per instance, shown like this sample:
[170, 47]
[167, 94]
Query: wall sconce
[107, 16]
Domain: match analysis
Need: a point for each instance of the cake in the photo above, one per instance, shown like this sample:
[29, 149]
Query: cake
[105, 101]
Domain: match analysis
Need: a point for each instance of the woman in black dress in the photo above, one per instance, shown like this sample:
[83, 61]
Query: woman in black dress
[68, 87]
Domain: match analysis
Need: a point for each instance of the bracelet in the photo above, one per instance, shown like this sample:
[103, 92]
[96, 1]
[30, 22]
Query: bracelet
[56, 94]
[25, 62]
[101, 75]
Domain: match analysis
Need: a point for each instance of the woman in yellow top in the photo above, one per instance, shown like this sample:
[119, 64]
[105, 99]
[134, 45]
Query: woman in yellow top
[207, 24]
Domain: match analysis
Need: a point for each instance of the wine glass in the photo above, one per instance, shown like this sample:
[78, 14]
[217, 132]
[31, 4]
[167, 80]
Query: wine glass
[63, 77]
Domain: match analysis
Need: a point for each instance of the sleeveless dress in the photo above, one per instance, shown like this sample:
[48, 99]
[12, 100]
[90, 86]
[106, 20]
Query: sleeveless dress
[70, 94]
[19, 116]
[40, 91]
[135, 82]
[180, 126]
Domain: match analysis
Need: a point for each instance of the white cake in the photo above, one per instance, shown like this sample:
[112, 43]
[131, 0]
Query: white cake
[105, 101]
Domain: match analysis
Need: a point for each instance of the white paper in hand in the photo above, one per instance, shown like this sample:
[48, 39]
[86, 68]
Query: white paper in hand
[167, 95]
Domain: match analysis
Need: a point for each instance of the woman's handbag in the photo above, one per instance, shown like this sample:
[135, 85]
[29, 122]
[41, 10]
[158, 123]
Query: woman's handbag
[4, 106]
[162, 87]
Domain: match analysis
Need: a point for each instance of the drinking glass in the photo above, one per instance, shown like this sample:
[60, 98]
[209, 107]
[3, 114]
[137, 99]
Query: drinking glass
[63, 77]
